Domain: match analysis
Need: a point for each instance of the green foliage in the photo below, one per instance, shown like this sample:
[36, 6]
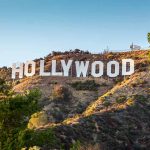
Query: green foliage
[76, 146]
[141, 98]
[86, 85]
[138, 82]
[106, 103]
[4, 87]
[14, 112]
[28, 138]
[121, 99]
[148, 56]
[148, 37]
[117, 80]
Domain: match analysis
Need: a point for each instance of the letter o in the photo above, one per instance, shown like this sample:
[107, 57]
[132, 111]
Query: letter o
[109, 69]
[101, 68]
[26, 72]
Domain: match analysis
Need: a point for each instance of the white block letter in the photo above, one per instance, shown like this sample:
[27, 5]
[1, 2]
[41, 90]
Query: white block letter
[42, 73]
[54, 73]
[124, 66]
[101, 68]
[81, 68]
[26, 71]
[66, 67]
[109, 69]
[15, 70]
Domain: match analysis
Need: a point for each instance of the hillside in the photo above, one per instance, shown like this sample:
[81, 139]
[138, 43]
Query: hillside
[91, 113]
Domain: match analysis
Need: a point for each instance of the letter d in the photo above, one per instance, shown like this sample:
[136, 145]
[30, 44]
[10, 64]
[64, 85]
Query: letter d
[124, 66]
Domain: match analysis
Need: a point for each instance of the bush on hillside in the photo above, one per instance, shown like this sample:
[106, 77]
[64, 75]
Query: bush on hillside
[106, 103]
[86, 85]
[29, 138]
[121, 99]
[4, 87]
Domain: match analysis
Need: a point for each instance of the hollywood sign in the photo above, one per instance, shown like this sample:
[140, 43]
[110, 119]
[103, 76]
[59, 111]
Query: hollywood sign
[81, 68]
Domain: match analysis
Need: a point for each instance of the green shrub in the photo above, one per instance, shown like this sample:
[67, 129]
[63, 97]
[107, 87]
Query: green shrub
[106, 103]
[76, 146]
[4, 87]
[141, 98]
[121, 99]
[139, 82]
[86, 85]
[117, 80]
[29, 138]
[103, 84]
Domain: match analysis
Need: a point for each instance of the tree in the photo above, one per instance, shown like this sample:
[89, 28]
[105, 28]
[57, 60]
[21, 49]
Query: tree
[14, 112]
[4, 87]
[148, 37]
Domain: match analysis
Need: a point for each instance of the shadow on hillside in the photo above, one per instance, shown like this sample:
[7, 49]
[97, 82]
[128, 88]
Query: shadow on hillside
[119, 130]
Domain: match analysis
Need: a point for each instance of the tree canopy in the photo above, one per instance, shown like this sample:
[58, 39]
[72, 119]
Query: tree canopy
[148, 37]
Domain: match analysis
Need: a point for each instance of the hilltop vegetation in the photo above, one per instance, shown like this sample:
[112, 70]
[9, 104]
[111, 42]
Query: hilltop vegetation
[46, 113]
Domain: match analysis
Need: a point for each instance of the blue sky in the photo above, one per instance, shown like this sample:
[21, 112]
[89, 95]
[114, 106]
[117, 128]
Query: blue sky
[33, 28]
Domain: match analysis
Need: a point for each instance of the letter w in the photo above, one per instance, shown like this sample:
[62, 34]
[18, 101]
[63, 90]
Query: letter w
[82, 68]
